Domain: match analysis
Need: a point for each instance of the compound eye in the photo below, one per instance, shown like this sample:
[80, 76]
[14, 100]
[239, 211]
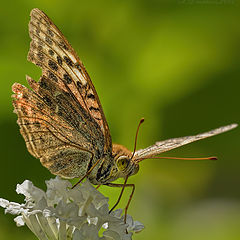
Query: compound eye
[122, 163]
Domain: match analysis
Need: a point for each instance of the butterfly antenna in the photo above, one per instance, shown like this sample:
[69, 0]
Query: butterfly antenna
[178, 158]
[135, 144]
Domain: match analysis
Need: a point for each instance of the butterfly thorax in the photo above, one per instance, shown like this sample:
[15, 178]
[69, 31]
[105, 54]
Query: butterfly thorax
[114, 166]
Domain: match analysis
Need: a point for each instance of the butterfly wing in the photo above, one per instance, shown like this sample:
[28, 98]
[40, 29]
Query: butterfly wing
[47, 135]
[52, 52]
[61, 118]
[166, 145]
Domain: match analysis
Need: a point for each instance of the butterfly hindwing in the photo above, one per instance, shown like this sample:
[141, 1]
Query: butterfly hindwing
[48, 137]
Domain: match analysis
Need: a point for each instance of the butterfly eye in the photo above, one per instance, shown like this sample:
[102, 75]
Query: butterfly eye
[122, 163]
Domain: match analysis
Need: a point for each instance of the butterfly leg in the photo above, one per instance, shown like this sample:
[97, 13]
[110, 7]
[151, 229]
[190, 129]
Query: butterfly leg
[130, 197]
[98, 186]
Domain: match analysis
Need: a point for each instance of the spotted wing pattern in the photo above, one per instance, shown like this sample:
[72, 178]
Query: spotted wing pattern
[52, 52]
[166, 145]
[61, 118]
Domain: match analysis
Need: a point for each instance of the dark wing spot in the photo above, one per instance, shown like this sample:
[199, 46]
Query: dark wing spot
[37, 31]
[43, 84]
[52, 76]
[40, 56]
[47, 100]
[77, 65]
[52, 65]
[68, 61]
[63, 45]
[79, 84]
[50, 33]
[67, 94]
[40, 42]
[42, 140]
[25, 96]
[40, 48]
[94, 108]
[59, 60]
[24, 111]
[30, 56]
[90, 95]
[37, 124]
[26, 122]
[40, 105]
[51, 52]
[67, 78]
[48, 40]
[39, 64]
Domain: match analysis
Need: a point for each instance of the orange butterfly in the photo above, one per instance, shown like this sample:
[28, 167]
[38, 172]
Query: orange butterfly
[62, 121]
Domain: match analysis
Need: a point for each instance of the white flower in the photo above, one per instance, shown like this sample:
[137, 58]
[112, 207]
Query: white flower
[63, 213]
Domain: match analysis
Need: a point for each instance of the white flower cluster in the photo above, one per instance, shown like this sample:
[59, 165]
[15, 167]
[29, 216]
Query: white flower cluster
[63, 213]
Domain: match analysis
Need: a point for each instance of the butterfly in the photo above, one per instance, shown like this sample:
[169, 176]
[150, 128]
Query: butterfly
[62, 121]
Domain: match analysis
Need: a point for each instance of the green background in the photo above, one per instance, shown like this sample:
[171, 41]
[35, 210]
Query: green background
[176, 63]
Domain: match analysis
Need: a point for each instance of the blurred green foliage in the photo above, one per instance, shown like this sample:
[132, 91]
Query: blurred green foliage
[174, 62]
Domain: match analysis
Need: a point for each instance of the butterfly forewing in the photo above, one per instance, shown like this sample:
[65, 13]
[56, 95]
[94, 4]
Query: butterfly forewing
[167, 145]
[51, 51]
[61, 118]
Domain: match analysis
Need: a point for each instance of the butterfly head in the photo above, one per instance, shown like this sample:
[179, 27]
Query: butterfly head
[127, 166]
[123, 160]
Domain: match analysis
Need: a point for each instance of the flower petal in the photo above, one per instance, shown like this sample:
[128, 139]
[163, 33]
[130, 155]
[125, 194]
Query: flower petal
[64, 213]
[98, 198]
[87, 231]
[30, 191]
[57, 189]
[62, 234]
[4, 203]
[138, 227]
[36, 227]
[19, 221]
[46, 227]
[111, 235]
